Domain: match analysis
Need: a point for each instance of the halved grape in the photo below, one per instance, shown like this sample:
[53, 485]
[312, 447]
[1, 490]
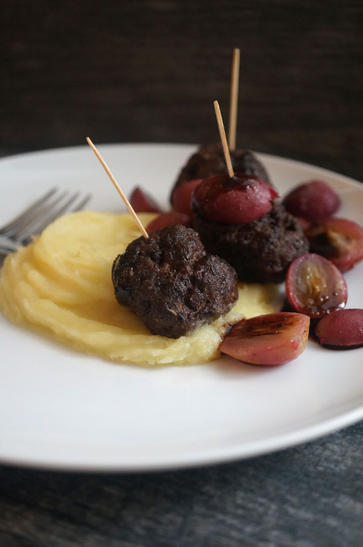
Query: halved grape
[271, 339]
[338, 239]
[313, 200]
[168, 219]
[341, 329]
[182, 196]
[143, 202]
[232, 200]
[314, 286]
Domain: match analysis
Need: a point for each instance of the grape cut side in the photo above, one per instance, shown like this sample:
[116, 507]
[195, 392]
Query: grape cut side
[272, 339]
[338, 239]
[342, 329]
[315, 286]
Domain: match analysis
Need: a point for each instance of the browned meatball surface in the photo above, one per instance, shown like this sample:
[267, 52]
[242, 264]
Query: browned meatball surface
[209, 160]
[261, 250]
[172, 283]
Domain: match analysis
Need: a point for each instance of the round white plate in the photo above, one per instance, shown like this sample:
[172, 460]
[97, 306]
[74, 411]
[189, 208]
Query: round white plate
[64, 410]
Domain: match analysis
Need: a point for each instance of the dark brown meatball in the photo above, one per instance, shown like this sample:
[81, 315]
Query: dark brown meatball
[171, 283]
[209, 160]
[261, 250]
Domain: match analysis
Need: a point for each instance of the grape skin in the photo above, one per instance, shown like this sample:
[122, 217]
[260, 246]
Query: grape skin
[341, 329]
[312, 201]
[142, 202]
[167, 219]
[233, 200]
[182, 196]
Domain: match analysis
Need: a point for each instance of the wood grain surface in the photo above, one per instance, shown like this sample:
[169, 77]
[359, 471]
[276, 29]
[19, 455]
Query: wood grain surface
[148, 71]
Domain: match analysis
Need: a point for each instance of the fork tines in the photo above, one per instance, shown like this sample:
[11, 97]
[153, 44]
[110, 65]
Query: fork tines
[41, 213]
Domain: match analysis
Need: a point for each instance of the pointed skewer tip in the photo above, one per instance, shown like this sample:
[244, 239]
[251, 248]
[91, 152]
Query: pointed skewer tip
[118, 188]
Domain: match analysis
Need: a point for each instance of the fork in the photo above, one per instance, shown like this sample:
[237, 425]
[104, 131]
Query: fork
[37, 216]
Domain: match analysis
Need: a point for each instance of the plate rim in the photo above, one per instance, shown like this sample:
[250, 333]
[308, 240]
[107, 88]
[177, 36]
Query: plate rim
[200, 459]
[268, 156]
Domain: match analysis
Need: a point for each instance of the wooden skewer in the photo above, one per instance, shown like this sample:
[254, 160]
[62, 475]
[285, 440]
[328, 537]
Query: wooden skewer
[233, 104]
[116, 185]
[222, 134]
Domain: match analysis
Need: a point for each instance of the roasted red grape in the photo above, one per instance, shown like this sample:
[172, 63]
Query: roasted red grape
[182, 196]
[341, 329]
[314, 286]
[143, 202]
[271, 339]
[232, 200]
[313, 200]
[168, 219]
[338, 239]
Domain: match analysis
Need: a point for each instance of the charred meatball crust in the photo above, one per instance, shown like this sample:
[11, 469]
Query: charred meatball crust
[260, 251]
[171, 282]
[209, 160]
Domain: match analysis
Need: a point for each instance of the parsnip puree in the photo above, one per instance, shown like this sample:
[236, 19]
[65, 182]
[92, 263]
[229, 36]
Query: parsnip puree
[61, 286]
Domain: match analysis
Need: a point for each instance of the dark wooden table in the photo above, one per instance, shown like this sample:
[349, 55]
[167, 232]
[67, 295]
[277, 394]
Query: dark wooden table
[307, 496]
[148, 71]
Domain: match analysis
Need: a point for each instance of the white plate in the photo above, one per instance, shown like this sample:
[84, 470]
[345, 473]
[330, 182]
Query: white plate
[63, 410]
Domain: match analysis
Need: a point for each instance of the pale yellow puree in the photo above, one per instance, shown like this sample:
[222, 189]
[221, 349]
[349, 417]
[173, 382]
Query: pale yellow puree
[61, 286]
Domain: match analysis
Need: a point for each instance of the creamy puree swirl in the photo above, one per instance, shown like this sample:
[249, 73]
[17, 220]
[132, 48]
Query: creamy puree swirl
[61, 286]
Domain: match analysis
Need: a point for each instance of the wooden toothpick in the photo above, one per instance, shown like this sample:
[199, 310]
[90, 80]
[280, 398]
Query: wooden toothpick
[116, 185]
[233, 104]
[222, 134]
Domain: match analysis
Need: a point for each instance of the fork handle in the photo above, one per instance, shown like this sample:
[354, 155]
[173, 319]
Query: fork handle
[9, 245]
